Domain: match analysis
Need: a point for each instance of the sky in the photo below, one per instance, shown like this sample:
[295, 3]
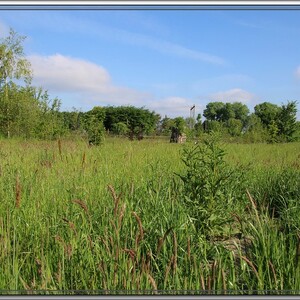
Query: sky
[163, 60]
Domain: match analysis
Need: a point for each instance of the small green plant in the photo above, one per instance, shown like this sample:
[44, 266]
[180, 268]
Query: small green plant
[210, 184]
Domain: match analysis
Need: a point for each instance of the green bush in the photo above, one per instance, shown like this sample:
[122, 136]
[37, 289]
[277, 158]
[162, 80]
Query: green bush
[211, 186]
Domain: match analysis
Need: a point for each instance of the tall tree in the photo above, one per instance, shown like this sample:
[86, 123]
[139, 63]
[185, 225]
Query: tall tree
[138, 120]
[287, 121]
[213, 111]
[13, 65]
[241, 111]
[267, 112]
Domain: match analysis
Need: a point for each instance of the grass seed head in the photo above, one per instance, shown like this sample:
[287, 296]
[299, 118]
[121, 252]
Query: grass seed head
[18, 192]
[82, 205]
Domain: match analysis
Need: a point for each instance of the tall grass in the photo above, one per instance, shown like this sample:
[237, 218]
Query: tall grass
[112, 219]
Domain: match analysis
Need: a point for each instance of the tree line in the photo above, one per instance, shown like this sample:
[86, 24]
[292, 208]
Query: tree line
[27, 111]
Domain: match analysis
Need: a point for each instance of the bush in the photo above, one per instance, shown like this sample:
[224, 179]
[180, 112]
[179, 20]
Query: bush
[210, 186]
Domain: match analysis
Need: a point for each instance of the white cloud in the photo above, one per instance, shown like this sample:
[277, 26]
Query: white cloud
[88, 82]
[172, 106]
[233, 95]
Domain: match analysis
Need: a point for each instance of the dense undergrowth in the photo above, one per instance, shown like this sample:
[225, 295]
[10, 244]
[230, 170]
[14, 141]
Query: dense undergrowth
[149, 217]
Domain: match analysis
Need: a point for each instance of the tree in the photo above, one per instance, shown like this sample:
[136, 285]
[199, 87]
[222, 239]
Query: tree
[267, 112]
[234, 126]
[120, 128]
[13, 65]
[241, 111]
[255, 131]
[165, 125]
[226, 112]
[287, 120]
[213, 111]
[93, 124]
[138, 120]
[24, 109]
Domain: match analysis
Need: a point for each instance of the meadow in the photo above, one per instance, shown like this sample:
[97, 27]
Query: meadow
[147, 217]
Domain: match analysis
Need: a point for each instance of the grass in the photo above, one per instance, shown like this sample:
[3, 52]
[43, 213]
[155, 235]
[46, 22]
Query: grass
[111, 219]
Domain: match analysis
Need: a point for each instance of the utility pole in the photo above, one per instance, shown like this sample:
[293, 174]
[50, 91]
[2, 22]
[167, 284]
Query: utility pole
[192, 116]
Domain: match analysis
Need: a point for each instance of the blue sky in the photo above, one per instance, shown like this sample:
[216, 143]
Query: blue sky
[163, 60]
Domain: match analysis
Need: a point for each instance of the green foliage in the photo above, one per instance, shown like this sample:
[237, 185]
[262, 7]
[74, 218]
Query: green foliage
[267, 112]
[213, 111]
[120, 128]
[210, 185]
[273, 131]
[213, 126]
[287, 121]
[165, 126]
[219, 111]
[13, 64]
[234, 126]
[93, 124]
[137, 120]
[180, 124]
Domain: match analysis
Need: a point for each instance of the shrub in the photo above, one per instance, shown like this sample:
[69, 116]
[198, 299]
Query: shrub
[210, 185]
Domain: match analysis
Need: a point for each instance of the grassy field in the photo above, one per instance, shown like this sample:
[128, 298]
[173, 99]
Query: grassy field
[118, 218]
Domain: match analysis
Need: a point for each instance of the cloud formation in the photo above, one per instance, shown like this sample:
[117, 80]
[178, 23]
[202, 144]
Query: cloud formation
[89, 82]
[233, 95]
[172, 106]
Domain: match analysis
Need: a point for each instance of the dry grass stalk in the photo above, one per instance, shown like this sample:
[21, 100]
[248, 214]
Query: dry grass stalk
[251, 200]
[161, 241]
[132, 189]
[82, 205]
[168, 269]
[115, 197]
[141, 233]
[131, 253]
[25, 285]
[214, 267]
[189, 248]
[224, 280]
[68, 250]
[91, 244]
[153, 283]
[175, 252]
[59, 239]
[71, 225]
[40, 267]
[202, 282]
[209, 283]
[251, 265]
[67, 247]
[298, 249]
[83, 160]
[105, 244]
[18, 192]
[273, 271]
[121, 215]
[114, 226]
[58, 274]
[59, 147]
